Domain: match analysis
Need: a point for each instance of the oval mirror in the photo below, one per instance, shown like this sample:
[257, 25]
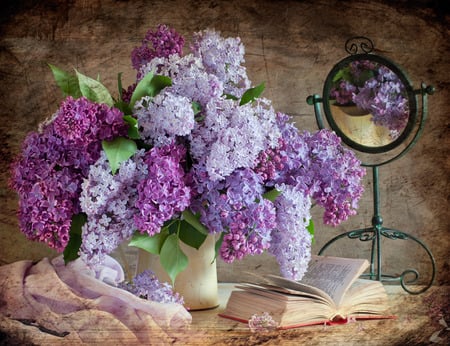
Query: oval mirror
[369, 103]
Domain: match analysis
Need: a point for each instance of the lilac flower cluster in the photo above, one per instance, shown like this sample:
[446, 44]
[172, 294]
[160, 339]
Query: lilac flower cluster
[384, 96]
[223, 58]
[109, 201]
[49, 171]
[262, 323]
[343, 93]
[164, 191]
[375, 89]
[146, 285]
[165, 41]
[234, 136]
[236, 206]
[202, 151]
[291, 241]
[189, 77]
[168, 116]
[318, 165]
[337, 175]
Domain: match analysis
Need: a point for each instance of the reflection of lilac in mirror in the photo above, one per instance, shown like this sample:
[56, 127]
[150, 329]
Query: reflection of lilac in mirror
[376, 89]
[389, 106]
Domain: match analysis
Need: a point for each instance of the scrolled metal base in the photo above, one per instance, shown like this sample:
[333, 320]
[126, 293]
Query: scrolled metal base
[374, 234]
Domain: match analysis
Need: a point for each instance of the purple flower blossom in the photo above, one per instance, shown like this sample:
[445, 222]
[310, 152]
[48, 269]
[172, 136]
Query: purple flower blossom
[165, 118]
[375, 89]
[218, 161]
[146, 285]
[48, 172]
[389, 104]
[291, 241]
[222, 57]
[164, 42]
[236, 206]
[189, 77]
[109, 203]
[164, 192]
[262, 323]
[322, 167]
[232, 136]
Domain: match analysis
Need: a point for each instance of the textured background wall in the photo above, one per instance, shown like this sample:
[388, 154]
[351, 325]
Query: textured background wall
[291, 45]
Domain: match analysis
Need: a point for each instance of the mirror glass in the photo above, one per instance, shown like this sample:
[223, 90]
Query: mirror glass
[369, 102]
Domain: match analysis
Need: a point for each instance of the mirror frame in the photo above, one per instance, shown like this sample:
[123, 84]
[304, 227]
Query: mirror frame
[412, 102]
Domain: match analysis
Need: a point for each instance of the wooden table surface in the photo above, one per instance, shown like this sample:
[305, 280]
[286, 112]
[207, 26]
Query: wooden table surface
[415, 324]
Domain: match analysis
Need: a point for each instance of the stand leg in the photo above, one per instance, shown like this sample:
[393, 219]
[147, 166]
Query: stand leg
[375, 234]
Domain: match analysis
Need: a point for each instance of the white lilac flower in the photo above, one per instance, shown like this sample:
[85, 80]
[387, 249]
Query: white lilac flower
[164, 118]
[189, 77]
[222, 57]
[291, 240]
[108, 201]
[262, 323]
[147, 286]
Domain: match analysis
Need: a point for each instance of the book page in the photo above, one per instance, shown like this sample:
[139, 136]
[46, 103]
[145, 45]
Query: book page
[365, 297]
[300, 291]
[299, 288]
[334, 275]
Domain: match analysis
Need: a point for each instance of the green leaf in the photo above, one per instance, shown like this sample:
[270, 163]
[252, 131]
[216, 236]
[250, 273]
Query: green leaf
[310, 229]
[252, 93]
[150, 85]
[118, 150]
[123, 107]
[172, 258]
[190, 235]
[151, 244]
[196, 107]
[119, 85]
[272, 195]
[94, 90]
[67, 82]
[71, 251]
[132, 122]
[230, 97]
[194, 220]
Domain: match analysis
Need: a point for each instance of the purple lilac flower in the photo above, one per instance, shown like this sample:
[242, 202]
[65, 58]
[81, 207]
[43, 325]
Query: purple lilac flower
[356, 75]
[291, 241]
[235, 206]
[343, 92]
[146, 285]
[290, 157]
[47, 174]
[375, 89]
[320, 166]
[189, 77]
[337, 176]
[262, 323]
[164, 192]
[84, 124]
[164, 42]
[109, 203]
[47, 192]
[127, 93]
[222, 57]
[164, 118]
[389, 106]
[232, 136]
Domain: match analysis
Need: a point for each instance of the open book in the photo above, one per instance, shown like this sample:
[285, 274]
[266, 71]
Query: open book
[330, 292]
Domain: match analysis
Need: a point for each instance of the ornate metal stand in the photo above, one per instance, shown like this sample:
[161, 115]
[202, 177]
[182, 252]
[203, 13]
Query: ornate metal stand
[375, 233]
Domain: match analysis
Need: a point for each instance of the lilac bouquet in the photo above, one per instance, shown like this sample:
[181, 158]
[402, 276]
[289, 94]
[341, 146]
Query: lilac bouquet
[376, 89]
[190, 149]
